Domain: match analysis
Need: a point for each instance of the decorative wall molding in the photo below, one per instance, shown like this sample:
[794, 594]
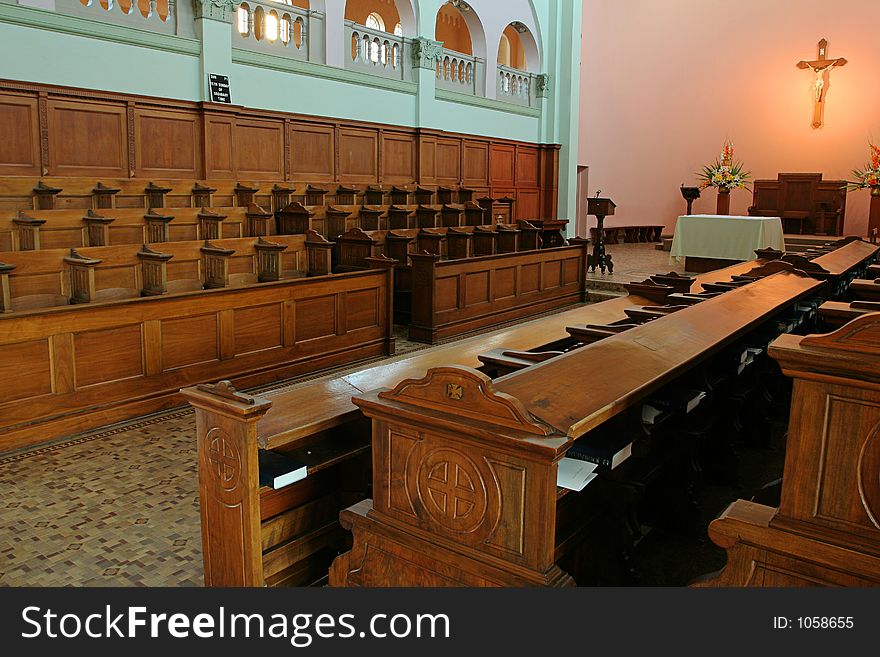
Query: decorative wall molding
[487, 103]
[543, 85]
[215, 10]
[426, 53]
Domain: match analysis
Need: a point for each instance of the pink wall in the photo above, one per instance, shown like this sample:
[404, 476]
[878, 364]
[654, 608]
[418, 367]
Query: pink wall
[664, 83]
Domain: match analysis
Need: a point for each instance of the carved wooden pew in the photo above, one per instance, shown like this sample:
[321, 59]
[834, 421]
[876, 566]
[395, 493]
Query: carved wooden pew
[87, 193]
[465, 469]
[323, 410]
[834, 314]
[456, 296]
[48, 278]
[54, 229]
[97, 362]
[825, 530]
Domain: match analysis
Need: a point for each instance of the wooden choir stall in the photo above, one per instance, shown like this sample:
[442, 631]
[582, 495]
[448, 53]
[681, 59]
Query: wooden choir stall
[444, 464]
[465, 468]
[826, 530]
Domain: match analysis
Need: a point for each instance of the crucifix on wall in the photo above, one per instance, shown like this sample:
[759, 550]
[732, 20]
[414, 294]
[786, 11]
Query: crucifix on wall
[821, 67]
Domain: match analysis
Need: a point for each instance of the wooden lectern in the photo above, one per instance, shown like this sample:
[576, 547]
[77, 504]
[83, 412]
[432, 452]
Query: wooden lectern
[600, 208]
[690, 194]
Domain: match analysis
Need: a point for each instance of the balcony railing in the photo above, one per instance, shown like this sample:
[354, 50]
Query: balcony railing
[377, 52]
[278, 29]
[516, 86]
[459, 72]
[153, 15]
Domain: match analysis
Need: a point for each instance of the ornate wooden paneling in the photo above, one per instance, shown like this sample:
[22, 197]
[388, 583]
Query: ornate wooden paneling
[502, 169]
[102, 363]
[87, 139]
[526, 166]
[358, 155]
[46, 130]
[167, 144]
[527, 204]
[398, 158]
[95, 363]
[476, 164]
[189, 340]
[33, 380]
[258, 328]
[456, 296]
[362, 309]
[19, 136]
[448, 161]
[219, 160]
[312, 152]
[315, 318]
[259, 149]
[427, 160]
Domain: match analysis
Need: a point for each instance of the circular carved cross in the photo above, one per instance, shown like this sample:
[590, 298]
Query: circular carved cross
[869, 476]
[452, 490]
[223, 459]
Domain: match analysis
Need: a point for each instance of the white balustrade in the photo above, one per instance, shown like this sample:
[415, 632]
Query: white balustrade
[153, 15]
[278, 28]
[516, 86]
[459, 72]
[377, 52]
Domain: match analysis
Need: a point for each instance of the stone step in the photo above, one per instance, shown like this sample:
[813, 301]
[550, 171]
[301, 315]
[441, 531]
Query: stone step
[596, 295]
[665, 245]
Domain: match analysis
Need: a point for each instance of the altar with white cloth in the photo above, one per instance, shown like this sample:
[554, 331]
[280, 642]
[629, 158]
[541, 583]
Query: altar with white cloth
[709, 241]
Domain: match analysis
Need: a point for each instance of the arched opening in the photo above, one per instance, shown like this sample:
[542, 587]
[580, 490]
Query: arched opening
[379, 15]
[269, 25]
[511, 52]
[522, 46]
[452, 28]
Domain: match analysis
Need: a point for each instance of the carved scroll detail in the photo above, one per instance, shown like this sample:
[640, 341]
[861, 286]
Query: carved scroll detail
[466, 393]
[862, 335]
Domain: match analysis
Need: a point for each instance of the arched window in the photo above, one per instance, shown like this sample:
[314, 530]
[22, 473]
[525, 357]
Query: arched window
[398, 30]
[243, 19]
[504, 51]
[374, 22]
[272, 26]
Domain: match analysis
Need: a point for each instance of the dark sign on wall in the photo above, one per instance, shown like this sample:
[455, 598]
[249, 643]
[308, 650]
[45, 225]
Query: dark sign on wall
[219, 88]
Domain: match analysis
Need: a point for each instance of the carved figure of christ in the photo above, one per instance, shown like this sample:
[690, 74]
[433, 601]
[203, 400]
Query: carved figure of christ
[821, 66]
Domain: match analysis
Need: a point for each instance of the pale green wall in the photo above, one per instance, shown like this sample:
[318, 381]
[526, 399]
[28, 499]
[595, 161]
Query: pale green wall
[49, 57]
[53, 48]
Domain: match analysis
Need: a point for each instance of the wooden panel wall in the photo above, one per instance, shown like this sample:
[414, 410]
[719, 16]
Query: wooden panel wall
[56, 131]
[451, 297]
[91, 365]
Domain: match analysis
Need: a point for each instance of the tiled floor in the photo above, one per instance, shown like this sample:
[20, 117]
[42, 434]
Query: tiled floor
[635, 262]
[120, 506]
[114, 507]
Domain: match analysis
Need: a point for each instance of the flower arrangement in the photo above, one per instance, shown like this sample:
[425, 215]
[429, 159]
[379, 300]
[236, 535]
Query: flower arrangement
[870, 175]
[724, 173]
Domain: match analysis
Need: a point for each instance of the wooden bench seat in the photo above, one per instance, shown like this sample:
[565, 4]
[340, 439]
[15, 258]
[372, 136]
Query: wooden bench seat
[240, 262]
[74, 229]
[311, 412]
[509, 436]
